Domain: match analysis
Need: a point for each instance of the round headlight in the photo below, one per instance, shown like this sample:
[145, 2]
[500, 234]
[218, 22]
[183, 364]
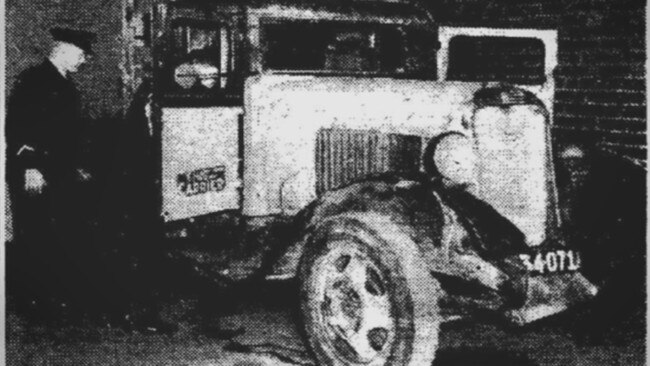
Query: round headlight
[451, 156]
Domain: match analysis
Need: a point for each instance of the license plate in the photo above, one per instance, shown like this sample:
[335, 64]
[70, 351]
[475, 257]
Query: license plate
[551, 261]
[202, 181]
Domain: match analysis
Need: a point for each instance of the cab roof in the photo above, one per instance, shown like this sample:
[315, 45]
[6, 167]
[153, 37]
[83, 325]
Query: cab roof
[385, 9]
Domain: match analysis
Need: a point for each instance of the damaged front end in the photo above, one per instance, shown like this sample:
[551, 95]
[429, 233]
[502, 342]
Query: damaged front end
[507, 286]
[490, 267]
[546, 295]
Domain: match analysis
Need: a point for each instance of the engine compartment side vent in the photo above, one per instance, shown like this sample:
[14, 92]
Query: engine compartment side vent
[343, 155]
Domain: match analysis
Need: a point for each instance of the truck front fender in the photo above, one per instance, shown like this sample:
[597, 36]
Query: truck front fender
[404, 200]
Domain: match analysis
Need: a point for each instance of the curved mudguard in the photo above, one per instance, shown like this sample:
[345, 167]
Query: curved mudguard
[401, 199]
[463, 240]
[419, 207]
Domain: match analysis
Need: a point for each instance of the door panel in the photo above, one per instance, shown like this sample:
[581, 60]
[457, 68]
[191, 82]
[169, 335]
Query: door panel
[200, 157]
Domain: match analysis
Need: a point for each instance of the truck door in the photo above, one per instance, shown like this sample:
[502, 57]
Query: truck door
[200, 119]
[200, 158]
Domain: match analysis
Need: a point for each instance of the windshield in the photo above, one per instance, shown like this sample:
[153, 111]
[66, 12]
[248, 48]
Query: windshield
[201, 58]
[195, 62]
[352, 48]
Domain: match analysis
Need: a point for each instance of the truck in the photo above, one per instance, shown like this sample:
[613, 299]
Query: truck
[401, 171]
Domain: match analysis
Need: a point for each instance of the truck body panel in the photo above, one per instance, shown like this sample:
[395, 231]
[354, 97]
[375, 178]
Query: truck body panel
[200, 161]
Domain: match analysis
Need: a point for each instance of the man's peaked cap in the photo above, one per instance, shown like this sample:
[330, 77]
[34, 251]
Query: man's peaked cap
[79, 38]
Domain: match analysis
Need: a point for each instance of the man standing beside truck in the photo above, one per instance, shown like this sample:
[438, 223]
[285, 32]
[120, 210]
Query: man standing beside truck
[57, 267]
[46, 179]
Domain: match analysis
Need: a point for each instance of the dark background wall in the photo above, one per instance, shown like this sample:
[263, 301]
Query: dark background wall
[28, 41]
[600, 79]
[27, 25]
[600, 82]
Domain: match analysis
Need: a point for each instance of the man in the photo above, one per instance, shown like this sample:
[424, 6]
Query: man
[45, 176]
[56, 262]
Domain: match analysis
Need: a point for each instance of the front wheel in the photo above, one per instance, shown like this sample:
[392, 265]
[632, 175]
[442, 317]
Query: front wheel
[367, 297]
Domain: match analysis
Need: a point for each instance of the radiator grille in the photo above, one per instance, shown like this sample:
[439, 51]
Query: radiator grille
[343, 156]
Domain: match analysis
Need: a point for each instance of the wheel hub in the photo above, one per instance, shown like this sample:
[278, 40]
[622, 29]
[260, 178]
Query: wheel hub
[355, 307]
[348, 303]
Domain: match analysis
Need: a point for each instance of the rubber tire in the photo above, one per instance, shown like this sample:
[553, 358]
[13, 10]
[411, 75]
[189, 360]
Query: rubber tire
[413, 292]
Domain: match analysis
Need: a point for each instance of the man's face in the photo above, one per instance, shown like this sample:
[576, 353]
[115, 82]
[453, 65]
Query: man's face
[73, 57]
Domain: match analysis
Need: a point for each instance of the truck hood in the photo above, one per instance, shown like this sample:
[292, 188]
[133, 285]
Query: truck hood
[278, 106]
[307, 131]
[421, 107]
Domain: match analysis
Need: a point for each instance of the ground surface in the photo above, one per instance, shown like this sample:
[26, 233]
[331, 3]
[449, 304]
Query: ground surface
[608, 227]
[270, 337]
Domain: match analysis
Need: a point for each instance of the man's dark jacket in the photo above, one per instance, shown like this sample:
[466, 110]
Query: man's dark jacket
[43, 114]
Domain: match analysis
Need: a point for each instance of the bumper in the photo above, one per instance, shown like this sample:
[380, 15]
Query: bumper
[549, 295]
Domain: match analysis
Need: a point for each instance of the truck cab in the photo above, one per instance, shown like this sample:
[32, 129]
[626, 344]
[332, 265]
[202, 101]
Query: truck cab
[266, 106]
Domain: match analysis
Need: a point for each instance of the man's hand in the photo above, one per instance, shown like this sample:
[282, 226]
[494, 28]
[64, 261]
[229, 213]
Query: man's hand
[34, 182]
[83, 175]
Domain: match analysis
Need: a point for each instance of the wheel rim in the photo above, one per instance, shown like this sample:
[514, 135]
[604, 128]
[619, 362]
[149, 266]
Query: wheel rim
[354, 307]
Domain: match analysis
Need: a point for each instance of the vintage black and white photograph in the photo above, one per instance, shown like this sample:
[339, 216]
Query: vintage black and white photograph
[325, 182]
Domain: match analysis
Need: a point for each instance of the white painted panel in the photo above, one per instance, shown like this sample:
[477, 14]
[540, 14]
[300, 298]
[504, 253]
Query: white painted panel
[513, 166]
[284, 114]
[199, 146]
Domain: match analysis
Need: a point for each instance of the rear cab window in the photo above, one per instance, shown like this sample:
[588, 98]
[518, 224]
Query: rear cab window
[517, 60]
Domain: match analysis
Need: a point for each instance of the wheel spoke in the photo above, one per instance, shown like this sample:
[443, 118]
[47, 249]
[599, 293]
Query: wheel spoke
[376, 313]
[376, 304]
[361, 344]
[356, 273]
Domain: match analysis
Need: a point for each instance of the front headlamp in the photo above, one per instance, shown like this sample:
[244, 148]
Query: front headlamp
[451, 156]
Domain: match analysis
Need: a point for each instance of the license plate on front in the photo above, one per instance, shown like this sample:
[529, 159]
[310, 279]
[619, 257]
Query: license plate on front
[551, 261]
